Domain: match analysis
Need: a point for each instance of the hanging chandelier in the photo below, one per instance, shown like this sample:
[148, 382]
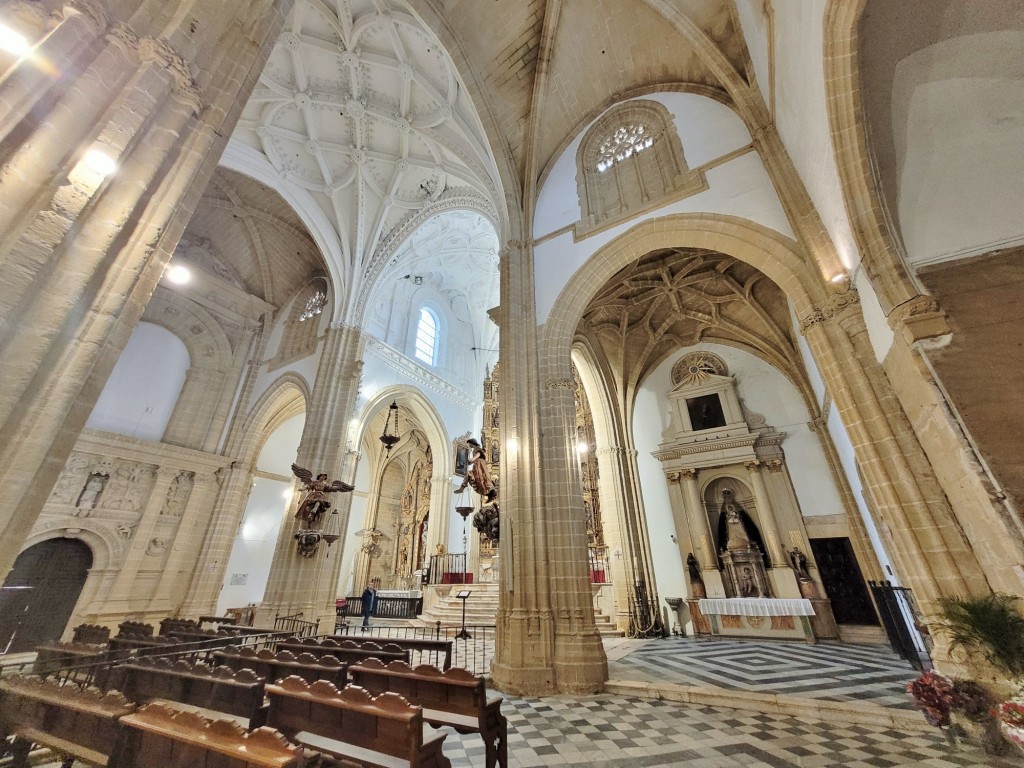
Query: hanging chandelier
[390, 438]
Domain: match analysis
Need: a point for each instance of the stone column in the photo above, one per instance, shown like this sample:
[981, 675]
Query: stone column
[782, 577]
[926, 542]
[197, 509]
[701, 526]
[123, 598]
[546, 639]
[307, 585]
[85, 254]
[614, 513]
[23, 87]
[228, 510]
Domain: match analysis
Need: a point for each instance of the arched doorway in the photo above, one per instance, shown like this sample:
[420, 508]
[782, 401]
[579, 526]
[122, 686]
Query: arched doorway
[40, 593]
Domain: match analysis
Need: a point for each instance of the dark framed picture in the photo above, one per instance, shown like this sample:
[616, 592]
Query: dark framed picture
[462, 458]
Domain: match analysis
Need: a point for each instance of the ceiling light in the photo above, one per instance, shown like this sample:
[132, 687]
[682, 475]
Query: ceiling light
[178, 273]
[286, 494]
[100, 162]
[12, 42]
[582, 448]
[841, 277]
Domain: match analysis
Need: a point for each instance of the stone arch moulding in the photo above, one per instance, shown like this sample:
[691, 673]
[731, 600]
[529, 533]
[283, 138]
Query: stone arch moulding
[426, 414]
[879, 248]
[630, 160]
[777, 256]
[287, 396]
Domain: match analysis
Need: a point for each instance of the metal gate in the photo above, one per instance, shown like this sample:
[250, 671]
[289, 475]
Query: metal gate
[899, 618]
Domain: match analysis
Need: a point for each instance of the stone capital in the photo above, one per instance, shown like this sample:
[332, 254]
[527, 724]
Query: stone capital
[753, 466]
[919, 318]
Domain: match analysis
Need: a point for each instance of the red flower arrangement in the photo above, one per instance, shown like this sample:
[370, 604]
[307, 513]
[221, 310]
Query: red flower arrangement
[933, 694]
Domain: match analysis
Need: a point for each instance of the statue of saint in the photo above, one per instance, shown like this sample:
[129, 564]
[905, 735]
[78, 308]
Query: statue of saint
[736, 532]
[799, 562]
[694, 568]
[478, 477]
[315, 502]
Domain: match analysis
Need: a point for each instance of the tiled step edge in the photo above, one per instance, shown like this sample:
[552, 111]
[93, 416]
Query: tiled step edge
[861, 713]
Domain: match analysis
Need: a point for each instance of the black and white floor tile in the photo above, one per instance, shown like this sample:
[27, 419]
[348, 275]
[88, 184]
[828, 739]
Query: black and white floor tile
[619, 732]
[834, 672]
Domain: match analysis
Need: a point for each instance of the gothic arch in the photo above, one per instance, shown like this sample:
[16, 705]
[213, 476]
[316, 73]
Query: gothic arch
[880, 252]
[777, 256]
[426, 415]
[288, 396]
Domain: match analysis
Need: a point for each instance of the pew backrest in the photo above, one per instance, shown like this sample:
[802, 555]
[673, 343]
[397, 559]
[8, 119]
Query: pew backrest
[218, 689]
[347, 651]
[277, 666]
[437, 647]
[160, 737]
[76, 721]
[350, 718]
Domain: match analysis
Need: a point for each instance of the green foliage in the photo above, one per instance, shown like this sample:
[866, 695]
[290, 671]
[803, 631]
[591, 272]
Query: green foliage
[991, 625]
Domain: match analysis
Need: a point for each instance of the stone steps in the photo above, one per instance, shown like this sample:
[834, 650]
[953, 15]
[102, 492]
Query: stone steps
[482, 608]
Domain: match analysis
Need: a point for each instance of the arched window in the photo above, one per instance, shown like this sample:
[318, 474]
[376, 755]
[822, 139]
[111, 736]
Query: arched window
[629, 161]
[427, 337]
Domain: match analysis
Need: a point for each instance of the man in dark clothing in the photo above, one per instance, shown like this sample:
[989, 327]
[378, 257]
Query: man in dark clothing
[369, 601]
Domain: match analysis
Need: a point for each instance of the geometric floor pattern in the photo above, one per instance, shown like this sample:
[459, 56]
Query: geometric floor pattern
[834, 672]
[607, 731]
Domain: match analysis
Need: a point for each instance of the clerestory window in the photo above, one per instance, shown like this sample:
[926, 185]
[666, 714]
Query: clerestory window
[426, 337]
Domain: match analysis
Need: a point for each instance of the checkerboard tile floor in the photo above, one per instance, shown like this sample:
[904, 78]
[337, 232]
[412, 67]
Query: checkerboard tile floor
[834, 672]
[607, 731]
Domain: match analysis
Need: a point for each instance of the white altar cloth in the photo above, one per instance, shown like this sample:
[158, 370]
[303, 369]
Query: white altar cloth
[756, 606]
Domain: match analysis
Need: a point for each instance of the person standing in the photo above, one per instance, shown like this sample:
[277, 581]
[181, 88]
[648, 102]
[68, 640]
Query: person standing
[369, 601]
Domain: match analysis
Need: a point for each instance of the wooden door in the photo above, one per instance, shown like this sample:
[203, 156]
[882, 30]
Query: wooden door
[40, 593]
[843, 582]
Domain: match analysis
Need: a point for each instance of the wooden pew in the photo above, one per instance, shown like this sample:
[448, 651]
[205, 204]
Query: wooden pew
[160, 737]
[422, 644]
[218, 691]
[134, 629]
[347, 651]
[91, 634]
[121, 646]
[272, 667]
[76, 723]
[455, 698]
[381, 732]
[57, 656]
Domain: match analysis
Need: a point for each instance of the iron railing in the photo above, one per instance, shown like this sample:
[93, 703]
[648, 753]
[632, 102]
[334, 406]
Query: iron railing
[294, 625]
[447, 569]
[385, 608]
[901, 623]
[473, 653]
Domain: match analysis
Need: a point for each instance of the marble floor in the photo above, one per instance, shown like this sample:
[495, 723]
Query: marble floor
[612, 730]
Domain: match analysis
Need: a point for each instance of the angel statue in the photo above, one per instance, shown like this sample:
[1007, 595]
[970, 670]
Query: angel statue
[315, 503]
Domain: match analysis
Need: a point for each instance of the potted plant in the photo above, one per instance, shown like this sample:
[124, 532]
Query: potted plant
[991, 625]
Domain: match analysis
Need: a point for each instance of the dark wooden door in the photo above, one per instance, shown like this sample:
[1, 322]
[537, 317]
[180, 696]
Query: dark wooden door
[40, 593]
[843, 582]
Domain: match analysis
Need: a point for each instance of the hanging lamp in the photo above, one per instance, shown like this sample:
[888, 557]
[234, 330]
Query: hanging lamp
[390, 439]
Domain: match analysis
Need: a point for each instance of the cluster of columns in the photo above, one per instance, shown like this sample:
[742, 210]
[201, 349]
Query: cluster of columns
[83, 253]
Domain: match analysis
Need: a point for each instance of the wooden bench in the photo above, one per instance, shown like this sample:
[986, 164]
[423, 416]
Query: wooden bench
[76, 723]
[455, 698]
[91, 634]
[382, 732]
[57, 656]
[213, 691]
[347, 651]
[134, 629]
[121, 646]
[272, 667]
[421, 644]
[160, 737]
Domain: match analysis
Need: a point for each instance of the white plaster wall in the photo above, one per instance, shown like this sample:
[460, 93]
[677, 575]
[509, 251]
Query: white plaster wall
[802, 117]
[268, 503]
[754, 25]
[305, 367]
[958, 125]
[139, 397]
[738, 188]
[879, 332]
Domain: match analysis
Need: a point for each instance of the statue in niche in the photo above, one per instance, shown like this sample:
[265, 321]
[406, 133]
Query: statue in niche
[177, 495]
[799, 562]
[742, 560]
[315, 503]
[90, 494]
[693, 567]
[72, 480]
